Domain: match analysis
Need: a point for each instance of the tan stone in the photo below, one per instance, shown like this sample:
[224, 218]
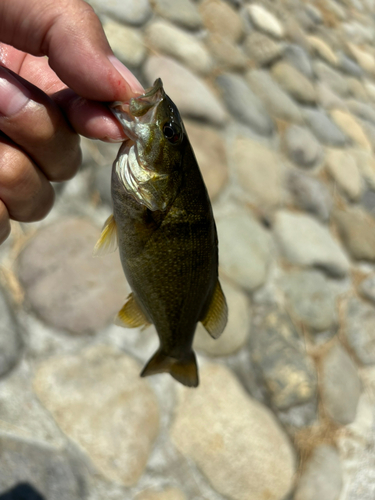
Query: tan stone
[169, 494]
[99, 401]
[357, 89]
[127, 43]
[343, 168]
[221, 19]
[364, 59]
[323, 50]
[350, 126]
[228, 55]
[294, 82]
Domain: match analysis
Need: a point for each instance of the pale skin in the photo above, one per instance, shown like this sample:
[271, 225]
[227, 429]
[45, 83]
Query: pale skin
[46, 103]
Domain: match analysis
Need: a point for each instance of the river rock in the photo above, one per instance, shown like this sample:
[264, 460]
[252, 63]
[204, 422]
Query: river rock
[367, 288]
[190, 94]
[362, 110]
[351, 127]
[363, 58]
[237, 330]
[126, 43]
[306, 242]
[278, 103]
[127, 11]
[298, 57]
[243, 435]
[320, 47]
[340, 385]
[117, 429]
[327, 98]
[221, 19]
[302, 146]
[294, 82]
[183, 12]
[322, 476]
[359, 329]
[246, 262]
[168, 494]
[311, 299]
[228, 55]
[310, 194]
[210, 152]
[342, 166]
[277, 352]
[244, 104]
[64, 284]
[260, 172]
[261, 48]
[350, 67]
[357, 231]
[172, 41]
[10, 335]
[324, 129]
[335, 81]
[265, 20]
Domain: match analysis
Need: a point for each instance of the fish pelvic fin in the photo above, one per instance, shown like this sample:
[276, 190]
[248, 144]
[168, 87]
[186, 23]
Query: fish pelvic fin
[217, 315]
[108, 241]
[184, 370]
[131, 314]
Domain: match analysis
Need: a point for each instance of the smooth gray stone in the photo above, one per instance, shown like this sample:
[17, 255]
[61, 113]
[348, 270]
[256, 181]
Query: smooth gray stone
[298, 57]
[349, 66]
[277, 352]
[10, 335]
[134, 12]
[47, 471]
[340, 385]
[335, 81]
[302, 146]
[183, 12]
[324, 128]
[367, 288]
[359, 329]
[366, 111]
[244, 104]
[310, 194]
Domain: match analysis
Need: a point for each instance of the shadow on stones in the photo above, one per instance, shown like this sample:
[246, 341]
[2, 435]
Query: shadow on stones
[22, 491]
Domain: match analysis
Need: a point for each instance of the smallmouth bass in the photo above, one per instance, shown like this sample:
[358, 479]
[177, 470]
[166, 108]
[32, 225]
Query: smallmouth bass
[163, 225]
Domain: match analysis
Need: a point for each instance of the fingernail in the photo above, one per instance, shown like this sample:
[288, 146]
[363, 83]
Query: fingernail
[13, 95]
[127, 75]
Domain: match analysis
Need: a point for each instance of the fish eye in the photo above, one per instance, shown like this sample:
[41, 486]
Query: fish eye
[172, 133]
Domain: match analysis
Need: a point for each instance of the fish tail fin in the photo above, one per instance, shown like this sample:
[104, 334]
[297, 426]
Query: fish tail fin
[184, 370]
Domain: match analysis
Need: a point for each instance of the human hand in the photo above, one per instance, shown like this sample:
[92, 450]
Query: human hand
[45, 103]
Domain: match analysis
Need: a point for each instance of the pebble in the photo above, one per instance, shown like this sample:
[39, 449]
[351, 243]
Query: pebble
[190, 94]
[210, 153]
[367, 288]
[64, 284]
[278, 103]
[365, 60]
[244, 104]
[168, 494]
[182, 12]
[351, 127]
[324, 128]
[369, 130]
[370, 89]
[227, 55]
[359, 329]
[362, 110]
[117, 429]
[276, 350]
[33, 471]
[332, 78]
[242, 435]
[265, 20]
[11, 343]
[302, 147]
[221, 19]
[294, 82]
[343, 168]
[310, 194]
[260, 173]
[127, 11]
[357, 231]
[298, 57]
[323, 50]
[349, 66]
[311, 299]
[183, 46]
[237, 330]
[340, 385]
[327, 98]
[322, 477]
[246, 262]
[261, 48]
[357, 89]
[306, 242]
[126, 43]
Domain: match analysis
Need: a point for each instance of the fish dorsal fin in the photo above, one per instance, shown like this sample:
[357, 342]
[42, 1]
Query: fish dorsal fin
[108, 241]
[217, 315]
[183, 370]
[131, 315]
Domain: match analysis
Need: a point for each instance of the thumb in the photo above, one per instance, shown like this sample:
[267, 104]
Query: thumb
[72, 37]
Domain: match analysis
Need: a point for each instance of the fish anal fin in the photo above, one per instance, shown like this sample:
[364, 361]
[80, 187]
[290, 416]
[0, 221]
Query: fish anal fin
[217, 315]
[184, 370]
[131, 314]
[108, 241]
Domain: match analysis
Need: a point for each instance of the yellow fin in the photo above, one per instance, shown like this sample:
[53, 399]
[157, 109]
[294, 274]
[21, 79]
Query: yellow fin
[131, 315]
[184, 370]
[108, 241]
[217, 315]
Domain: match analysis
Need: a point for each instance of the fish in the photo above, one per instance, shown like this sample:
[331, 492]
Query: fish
[163, 225]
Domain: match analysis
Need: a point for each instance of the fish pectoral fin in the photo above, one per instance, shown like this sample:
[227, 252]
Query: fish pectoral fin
[217, 315]
[108, 241]
[131, 314]
[184, 370]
